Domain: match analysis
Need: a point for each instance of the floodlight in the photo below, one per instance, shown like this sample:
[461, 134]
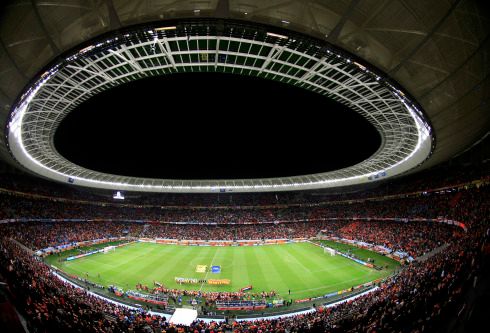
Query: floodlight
[271, 34]
[166, 28]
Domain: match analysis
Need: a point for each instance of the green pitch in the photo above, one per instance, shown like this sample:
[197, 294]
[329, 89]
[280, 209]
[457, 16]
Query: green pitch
[302, 268]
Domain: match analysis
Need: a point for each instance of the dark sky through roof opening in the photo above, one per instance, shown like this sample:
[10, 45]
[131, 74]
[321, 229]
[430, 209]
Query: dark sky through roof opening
[213, 126]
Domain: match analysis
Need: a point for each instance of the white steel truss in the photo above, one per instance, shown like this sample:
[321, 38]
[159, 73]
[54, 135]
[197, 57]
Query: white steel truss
[406, 135]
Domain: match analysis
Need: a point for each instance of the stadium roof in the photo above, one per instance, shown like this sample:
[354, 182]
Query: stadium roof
[437, 51]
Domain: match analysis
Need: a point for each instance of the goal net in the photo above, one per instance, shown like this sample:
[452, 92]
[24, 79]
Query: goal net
[107, 249]
[328, 250]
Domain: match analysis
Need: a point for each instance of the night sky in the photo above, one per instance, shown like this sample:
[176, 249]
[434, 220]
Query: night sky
[213, 126]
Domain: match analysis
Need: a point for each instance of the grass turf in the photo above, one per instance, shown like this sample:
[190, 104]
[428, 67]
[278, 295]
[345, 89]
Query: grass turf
[302, 268]
[363, 254]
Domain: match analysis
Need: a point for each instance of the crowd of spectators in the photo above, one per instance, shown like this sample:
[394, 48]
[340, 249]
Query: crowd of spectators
[442, 176]
[232, 224]
[414, 238]
[40, 235]
[430, 205]
[423, 297]
[210, 296]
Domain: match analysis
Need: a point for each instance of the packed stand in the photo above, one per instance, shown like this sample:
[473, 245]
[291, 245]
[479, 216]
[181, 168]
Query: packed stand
[424, 296]
[443, 176]
[414, 238]
[40, 235]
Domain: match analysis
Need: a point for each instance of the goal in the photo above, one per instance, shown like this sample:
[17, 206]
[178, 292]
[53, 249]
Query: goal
[107, 249]
[328, 250]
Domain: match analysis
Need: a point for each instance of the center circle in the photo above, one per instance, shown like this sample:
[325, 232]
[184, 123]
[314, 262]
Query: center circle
[213, 126]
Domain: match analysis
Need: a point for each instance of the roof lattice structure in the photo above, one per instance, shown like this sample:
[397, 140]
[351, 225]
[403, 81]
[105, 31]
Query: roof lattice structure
[437, 51]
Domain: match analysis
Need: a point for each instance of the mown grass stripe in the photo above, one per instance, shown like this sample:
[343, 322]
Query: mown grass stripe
[303, 268]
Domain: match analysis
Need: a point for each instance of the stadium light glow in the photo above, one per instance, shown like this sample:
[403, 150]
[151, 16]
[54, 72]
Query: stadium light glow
[271, 34]
[166, 28]
[118, 195]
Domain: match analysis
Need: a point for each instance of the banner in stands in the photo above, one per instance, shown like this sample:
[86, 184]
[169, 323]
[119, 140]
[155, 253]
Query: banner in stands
[304, 300]
[240, 305]
[198, 242]
[83, 255]
[152, 299]
[397, 255]
[355, 260]
[70, 246]
[91, 252]
[277, 302]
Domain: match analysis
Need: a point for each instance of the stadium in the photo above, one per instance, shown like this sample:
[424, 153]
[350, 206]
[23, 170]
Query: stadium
[244, 166]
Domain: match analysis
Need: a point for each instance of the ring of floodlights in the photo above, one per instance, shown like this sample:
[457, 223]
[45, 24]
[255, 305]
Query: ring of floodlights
[232, 47]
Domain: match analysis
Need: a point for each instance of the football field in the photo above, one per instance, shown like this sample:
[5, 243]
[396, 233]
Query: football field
[302, 268]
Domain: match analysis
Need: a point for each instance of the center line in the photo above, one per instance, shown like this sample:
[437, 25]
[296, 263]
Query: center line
[210, 266]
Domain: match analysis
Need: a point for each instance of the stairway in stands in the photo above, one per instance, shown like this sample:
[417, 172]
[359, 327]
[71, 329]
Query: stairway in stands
[145, 229]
